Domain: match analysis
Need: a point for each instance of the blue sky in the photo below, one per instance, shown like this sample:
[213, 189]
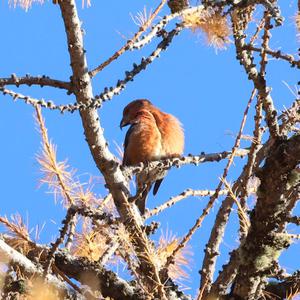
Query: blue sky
[207, 91]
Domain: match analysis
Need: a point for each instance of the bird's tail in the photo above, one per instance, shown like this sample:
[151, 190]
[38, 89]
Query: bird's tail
[141, 200]
[157, 185]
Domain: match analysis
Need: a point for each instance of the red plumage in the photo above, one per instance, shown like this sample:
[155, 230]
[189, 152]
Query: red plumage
[153, 135]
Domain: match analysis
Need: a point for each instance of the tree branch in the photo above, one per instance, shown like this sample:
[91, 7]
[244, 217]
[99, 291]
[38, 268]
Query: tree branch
[276, 54]
[108, 93]
[106, 162]
[266, 238]
[41, 102]
[259, 81]
[38, 80]
[185, 194]
[130, 42]
[177, 162]
[211, 250]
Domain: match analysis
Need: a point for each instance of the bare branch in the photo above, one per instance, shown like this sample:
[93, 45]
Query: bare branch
[63, 231]
[266, 238]
[177, 162]
[211, 250]
[39, 80]
[259, 28]
[257, 137]
[185, 194]
[71, 233]
[130, 42]
[277, 54]
[108, 93]
[270, 5]
[246, 59]
[40, 102]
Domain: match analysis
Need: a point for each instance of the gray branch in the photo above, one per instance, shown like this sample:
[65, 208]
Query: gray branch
[38, 80]
[267, 237]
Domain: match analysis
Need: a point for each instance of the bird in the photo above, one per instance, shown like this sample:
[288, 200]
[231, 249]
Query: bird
[153, 135]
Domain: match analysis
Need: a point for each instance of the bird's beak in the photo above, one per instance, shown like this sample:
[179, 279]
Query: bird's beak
[123, 123]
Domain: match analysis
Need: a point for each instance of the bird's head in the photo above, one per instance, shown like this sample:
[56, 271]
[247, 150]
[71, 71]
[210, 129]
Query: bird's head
[132, 110]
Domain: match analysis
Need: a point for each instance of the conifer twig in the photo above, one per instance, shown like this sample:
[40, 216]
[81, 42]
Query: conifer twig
[130, 42]
[185, 194]
[63, 231]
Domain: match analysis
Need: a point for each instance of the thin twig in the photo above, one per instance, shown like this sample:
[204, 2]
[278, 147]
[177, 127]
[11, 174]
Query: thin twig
[211, 251]
[41, 102]
[185, 194]
[108, 93]
[66, 279]
[35, 80]
[248, 169]
[259, 81]
[71, 233]
[130, 42]
[258, 30]
[277, 54]
[63, 231]
[244, 219]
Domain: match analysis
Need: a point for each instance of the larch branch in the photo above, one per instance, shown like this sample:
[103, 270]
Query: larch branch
[105, 161]
[36, 80]
[130, 42]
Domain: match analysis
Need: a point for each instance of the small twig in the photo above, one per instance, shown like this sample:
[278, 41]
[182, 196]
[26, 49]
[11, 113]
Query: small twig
[108, 93]
[226, 276]
[277, 54]
[130, 42]
[95, 215]
[185, 194]
[63, 231]
[71, 233]
[209, 261]
[258, 30]
[132, 265]
[267, 102]
[257, 137]
[163, 23]
[66, 279]
[38, 80]
[201, 291]
[51, 157]
[290, 117]
[259, 81]
[105, 200]
[243, 217]
[110, 251]
[41, 102]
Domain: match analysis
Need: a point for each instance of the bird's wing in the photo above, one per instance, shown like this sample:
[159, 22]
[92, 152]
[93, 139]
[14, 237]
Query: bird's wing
[126, 143]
